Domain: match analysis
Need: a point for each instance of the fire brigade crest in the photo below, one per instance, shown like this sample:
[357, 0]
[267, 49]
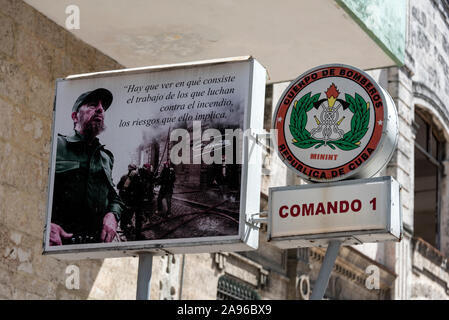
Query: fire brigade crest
[328, 119]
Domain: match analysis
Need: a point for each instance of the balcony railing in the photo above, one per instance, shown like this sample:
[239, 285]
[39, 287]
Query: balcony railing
[430, 271]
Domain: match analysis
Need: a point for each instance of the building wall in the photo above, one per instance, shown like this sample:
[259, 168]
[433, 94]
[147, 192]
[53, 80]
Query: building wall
[422, 83]
[429, 60]
[34, 51]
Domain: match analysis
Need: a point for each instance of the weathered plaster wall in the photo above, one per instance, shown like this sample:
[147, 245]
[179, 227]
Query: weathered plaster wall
[34, 51]
[384, 21]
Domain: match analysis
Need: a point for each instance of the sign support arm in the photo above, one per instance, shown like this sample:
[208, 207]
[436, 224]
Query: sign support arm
[144, 276]
[325, 271]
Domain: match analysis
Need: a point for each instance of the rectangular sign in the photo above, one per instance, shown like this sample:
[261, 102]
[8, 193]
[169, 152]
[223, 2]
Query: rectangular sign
[156, 159]
[357, 211]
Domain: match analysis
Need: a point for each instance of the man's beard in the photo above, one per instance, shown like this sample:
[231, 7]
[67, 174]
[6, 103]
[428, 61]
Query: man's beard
[92, 128]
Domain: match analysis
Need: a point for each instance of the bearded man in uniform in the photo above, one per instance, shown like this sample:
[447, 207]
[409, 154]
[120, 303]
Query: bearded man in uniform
[86, 207]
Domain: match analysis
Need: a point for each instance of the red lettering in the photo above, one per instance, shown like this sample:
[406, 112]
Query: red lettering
[295, 210]
[332, 207]
[373, 203]
[329, 207]
[344, 206]
[307, 210]
[281, 213]
[320, 209]
[356, 205]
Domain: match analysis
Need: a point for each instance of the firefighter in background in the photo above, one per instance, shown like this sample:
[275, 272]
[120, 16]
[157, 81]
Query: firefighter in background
[220, 177]
[131, 191]
[167, 181]
[147, 176]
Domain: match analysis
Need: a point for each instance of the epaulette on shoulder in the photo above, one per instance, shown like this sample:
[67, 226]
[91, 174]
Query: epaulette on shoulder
[109, 153]
[62, 139]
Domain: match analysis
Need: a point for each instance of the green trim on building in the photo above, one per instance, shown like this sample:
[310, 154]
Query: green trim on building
[384, 21]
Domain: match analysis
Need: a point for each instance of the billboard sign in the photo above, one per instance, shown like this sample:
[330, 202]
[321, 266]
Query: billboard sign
[353, 211]
[335, 122]
[156, 159]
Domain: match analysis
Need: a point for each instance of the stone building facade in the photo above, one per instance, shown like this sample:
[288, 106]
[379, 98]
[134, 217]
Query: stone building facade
[34, 51]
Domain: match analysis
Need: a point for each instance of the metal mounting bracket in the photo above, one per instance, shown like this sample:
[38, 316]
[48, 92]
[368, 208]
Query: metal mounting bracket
[258, 218]
[261, 139]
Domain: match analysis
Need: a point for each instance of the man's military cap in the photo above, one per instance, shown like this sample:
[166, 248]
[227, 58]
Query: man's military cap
[102, 94]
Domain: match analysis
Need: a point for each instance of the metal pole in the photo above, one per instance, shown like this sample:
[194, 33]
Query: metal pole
[144, 276]
[326, 268]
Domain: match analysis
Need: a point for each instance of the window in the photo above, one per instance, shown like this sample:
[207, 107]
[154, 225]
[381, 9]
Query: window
[233, 289]
[428, 173]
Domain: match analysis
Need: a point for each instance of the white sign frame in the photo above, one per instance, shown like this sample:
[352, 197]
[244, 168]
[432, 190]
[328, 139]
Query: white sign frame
[248, 234]
[392, 229]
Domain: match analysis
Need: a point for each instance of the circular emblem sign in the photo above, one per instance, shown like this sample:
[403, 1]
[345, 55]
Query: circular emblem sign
[335, 122]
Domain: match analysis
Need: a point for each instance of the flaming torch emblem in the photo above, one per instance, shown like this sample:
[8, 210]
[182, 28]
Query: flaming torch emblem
[327, 131]
[332, 95]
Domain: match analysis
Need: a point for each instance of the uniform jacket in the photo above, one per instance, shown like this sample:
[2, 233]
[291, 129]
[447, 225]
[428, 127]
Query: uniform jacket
[83, 188]
[131, 189]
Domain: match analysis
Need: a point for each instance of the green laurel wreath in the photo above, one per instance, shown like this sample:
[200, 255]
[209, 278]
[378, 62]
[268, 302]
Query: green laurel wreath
[351, 140]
